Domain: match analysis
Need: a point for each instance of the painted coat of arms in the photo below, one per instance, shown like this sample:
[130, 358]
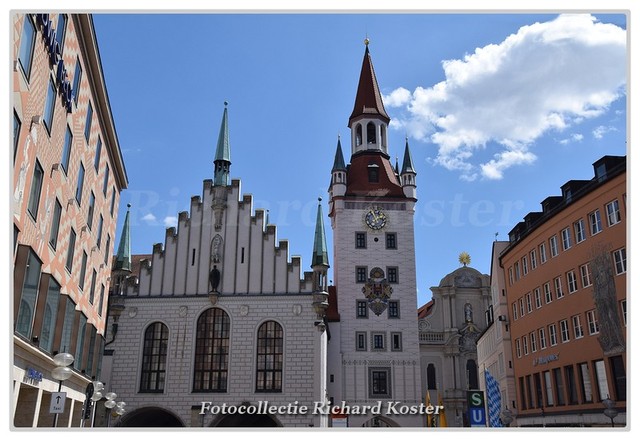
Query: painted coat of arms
[377, 291]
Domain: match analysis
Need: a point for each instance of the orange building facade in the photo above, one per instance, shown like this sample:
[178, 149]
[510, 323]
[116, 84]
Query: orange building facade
[67, 179]
[565, 271]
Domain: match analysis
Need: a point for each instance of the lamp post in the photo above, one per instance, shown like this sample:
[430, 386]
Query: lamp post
[507, 416]
[111, 404]
[610, 409]
[61, 372]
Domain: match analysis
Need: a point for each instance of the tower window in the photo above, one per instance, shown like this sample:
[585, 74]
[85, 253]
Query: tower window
[371, 133]
[391, 241]
[358, 134]
[361, 240]
[361, 309]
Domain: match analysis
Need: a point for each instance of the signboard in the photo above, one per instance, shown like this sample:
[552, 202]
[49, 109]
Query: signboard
[476, 406]
[58, 399]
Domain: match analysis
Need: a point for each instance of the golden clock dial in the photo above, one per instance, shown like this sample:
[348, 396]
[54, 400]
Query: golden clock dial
[375, 218]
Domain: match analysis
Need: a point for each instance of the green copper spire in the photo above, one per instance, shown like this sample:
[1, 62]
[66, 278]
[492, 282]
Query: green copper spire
[407, 163]
[338, 162]
[123, 258]
[320, 250]
[222, 160]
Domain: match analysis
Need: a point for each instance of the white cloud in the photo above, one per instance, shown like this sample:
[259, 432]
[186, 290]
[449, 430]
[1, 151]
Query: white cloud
[546, 77]
[574, 137]
[170, 221]
[599, 131]
[149, 218]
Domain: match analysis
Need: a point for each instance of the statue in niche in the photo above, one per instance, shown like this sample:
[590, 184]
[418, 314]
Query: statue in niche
[216, 249]
[468, 313]
[214, 279]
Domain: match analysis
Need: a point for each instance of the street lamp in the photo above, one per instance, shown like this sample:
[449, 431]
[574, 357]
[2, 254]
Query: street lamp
[61, 372]
[111, 404]
[507, 416]
[610, 410]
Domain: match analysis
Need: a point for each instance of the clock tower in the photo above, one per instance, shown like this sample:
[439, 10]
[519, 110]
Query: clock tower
[374, 349]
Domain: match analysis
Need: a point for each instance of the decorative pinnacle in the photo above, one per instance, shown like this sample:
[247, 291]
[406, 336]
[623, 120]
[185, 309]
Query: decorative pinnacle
[366, 41]
[226, 103]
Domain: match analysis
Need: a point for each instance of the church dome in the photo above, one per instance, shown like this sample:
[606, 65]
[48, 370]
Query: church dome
[465, 277]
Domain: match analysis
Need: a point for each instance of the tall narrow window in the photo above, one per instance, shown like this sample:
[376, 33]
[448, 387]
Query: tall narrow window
[55, 225]
[391, 241]
[99, 238]
[101, 301]
[49, 316]
[566, 239]
[592, 322]
[87, 123]
[525, 267]
[28, 296]
[571, 384]
[70, 250]
[557, 376]
[564, 330]
[67, 326]
[212, 351]
[66, 150]
[431, 377]
[92, 291]
[61, 29]
[595, 222]
[553, 245]
[80, 184]
[585, 383]
[558, 284]
[371, 133]
[548, 388]
[27, 42]
[361, 240]
[17, 125]
[620, 261]
[269, 361]
[154, 358]
[578, 229]
[361, 309]
[49, 105]
[36, 190]
[392, 274]
[96, 160]
[113, 201]
[106, 249]
[80, 339]
[619, 377]
[105, 184]
[553, 336]
[534, 261]
[613, 212]
[585, 275]
[572, 282]
[379, 383]
[92, 205]
[543, 252]
[543, 338]
[601, 378]
[548, 297]
[83, 270]
[77, 78]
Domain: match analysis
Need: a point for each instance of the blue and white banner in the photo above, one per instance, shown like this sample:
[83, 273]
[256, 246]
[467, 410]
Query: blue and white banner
[493, 400]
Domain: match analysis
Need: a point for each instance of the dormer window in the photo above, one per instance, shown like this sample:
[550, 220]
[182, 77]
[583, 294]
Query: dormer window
[374, 173]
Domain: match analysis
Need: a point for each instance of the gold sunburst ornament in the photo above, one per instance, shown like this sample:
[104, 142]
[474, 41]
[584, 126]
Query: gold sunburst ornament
[464, 258]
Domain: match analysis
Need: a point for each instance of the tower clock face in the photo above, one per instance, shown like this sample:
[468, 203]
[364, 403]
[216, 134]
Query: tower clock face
[375, 218]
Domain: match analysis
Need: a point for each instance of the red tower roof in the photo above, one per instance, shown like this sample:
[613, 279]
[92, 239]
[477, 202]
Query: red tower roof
[368, 99]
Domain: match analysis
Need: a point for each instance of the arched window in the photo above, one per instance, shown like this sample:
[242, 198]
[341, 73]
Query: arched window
[358, 134]
[269, 360]
[212, 351]
[431, 377]
[154, 358]
[383, 136]
[371, 133]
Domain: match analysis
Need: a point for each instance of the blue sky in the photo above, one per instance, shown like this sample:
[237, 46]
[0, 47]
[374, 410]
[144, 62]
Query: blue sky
[500, 111]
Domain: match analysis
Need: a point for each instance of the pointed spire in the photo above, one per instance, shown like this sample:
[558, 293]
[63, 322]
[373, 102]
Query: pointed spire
[396, 168]
[407, 163]
[338, 162]
[123, 258]
[320, 250]
[222, 159]
[368, 97]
